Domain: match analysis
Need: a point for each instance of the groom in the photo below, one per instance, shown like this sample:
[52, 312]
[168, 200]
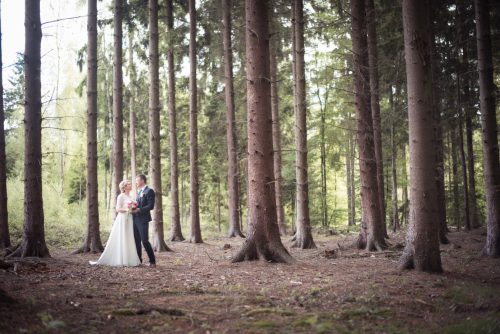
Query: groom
[142, 217]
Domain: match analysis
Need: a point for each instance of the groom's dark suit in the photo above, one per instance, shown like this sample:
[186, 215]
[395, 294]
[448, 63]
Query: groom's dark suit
[145, 203]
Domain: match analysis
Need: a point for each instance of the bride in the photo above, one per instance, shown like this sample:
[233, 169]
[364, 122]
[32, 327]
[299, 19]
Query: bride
[120, 248]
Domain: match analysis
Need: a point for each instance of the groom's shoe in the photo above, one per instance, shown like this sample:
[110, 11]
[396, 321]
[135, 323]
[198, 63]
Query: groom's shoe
[152, 265]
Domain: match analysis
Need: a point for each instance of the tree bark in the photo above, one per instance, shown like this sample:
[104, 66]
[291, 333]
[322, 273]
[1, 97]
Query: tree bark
[158, 241]
[132, 118]
[464, 173]
[4, 216]
[468, 112]
[350, 220]
[92, 241]
[176, 233]
[394, 180]
[372, 237]
[33, 243]
[489, 128]
[232, 144]
[304, 238]
[195, 236]
[117, 100]
[352, 158]
[454, 171]
[324, 205]
[276, 127]
[406, 202]
[422, 240]
[474, 216]
[375, 104]
[263, 240]
[460, 108]
[438, 132]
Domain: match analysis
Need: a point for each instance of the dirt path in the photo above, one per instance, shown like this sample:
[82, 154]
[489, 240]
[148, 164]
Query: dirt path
[197, 290]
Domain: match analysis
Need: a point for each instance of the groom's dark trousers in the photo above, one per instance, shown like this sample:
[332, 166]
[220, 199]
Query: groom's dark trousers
[145, 203]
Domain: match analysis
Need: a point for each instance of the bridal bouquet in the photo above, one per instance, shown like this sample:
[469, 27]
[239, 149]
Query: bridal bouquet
[132, 205]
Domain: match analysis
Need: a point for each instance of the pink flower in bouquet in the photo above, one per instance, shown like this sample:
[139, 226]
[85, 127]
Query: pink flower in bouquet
[132, 205]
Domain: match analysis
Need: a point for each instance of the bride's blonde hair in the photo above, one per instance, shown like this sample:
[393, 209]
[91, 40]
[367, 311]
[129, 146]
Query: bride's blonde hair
[123, 185]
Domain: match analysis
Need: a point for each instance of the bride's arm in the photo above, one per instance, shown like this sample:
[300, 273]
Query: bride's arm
[120, 204]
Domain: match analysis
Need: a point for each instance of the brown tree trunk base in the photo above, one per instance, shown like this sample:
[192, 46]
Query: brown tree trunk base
[86, 248]
[443, 233]
[492, 247]
[370, 242]
[233, 233]
[266, 251]
[160, 245]
[303, 243]
[195, 239]
[408, 261]
[30, 250]
[177, 237]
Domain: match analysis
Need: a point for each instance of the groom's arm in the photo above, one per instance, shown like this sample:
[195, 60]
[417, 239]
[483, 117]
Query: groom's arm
[150, 201]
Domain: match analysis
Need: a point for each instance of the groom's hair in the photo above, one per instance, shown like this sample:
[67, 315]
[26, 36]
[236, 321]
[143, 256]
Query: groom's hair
[143, 177]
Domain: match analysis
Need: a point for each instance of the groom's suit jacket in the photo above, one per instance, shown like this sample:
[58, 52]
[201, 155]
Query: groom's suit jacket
[145, 203]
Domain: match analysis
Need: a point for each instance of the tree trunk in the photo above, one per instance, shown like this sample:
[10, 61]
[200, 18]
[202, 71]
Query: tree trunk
[422, 240]
[218, 204]
[33, 243]
[158, 241]
[195, 236]
[263, 240]
[276, 127]
[324, 205]
[460, 102]
[375, 105]
[469, 110]
[132, 118]
[232, 144]
[372, 237]
[438, 132]
[474, 216]
[172, 124]
[394, 181]
[324, 190]
[454, 171]
[304, 236]
[464, 173]
[117, 101]
[350, 219]
[92, 241]
[352, 158]
[489, 128]
[4, 217]
[406, 199]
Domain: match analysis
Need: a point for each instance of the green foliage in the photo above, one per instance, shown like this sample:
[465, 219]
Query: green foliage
[488, 325]
[76, 181]
[64, 224]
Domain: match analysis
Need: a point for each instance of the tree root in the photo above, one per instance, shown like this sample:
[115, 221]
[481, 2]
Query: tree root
[269, 252]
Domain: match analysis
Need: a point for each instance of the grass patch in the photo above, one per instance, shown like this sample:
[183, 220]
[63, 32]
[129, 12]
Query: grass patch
[472, 294]
[480, 326]
[264, 324]
[268, 310]
[366, 312]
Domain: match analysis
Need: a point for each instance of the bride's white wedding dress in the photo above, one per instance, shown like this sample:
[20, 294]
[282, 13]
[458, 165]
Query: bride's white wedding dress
[120, 249]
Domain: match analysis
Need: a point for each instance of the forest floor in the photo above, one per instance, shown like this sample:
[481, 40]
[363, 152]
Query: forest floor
[196, 289]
